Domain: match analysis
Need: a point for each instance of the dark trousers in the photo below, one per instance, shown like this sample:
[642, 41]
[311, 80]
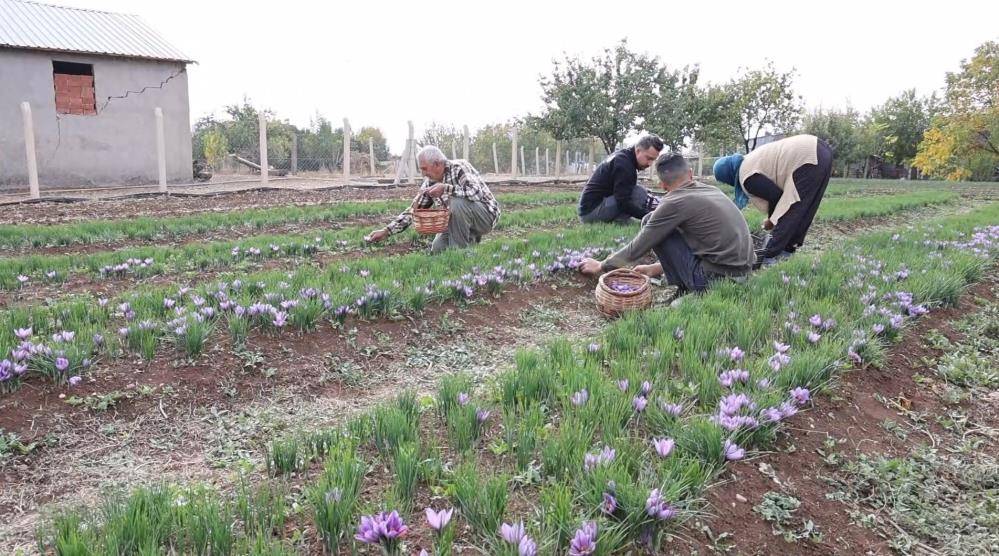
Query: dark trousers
[810, 180]
[681, 266]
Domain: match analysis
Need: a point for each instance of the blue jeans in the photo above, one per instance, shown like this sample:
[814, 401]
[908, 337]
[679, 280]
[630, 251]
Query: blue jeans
[681, 266]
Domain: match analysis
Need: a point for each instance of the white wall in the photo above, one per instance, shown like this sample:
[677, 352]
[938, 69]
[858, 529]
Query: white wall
[118, 145]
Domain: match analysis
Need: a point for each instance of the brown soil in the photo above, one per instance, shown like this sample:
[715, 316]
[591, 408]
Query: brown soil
[52, 212]
[851, 411]
[218, 383]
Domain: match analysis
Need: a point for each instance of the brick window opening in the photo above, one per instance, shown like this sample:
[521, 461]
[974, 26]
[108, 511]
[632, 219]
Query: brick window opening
[74, 88]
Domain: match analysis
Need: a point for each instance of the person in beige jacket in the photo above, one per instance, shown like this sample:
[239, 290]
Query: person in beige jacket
[785, 180]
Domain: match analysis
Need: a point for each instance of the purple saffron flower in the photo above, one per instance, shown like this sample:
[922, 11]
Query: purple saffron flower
[22, 333]
[895, 321]
[527, 547]
[368, 531]
[781, 347]
[580, 398]
[814, 337]
[439, 520]
[585, 540]
[646, 388]
[678, 334]
[463, 398]
[512, 533]
[639, 403]
[771, 415]
[657, 507]
[74, 380]
[736, 353]
[481, 415]
[878, 328]
[673, 409]
[663, 446]
[815, 320]
[593, 348]
[801, 395]
[61, 364]
[763, 383]
[732, 451]
[854, 356]
[622, 385]
[788, 409]
[280, 319]
[609, 505]
[22, 279]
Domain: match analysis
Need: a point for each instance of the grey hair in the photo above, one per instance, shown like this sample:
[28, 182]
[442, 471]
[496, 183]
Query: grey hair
[671, 167]
[650, 140]
[431, 154]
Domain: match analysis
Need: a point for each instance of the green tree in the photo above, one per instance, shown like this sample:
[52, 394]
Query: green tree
[674, 112]
[359, 142]
[898, 126]
[605, 97]
[442, 136]
[843, 130]
[741, 110]
[963, 141]
[216, 147]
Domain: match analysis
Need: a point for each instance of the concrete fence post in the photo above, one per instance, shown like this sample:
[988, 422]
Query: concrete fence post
[495, 159]
[547, 171]
[537, 161]
[294, 153]
[513, 154]
[700, 164]
[558, 158]
[523, 161]
[593, 147]
[371, 154]
[454, 149]
[262, 119]
[29, 150]
[346, 149]
[160, 149]
[413, 170]
[464, 144]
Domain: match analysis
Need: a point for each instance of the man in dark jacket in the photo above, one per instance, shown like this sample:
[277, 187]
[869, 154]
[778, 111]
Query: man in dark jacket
[613, 193]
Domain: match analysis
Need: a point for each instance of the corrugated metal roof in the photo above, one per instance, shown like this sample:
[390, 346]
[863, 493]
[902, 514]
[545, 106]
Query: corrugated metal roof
[46, 27]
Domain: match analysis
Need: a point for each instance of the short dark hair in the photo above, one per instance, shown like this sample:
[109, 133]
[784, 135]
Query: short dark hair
[650, 140]
[671, 166]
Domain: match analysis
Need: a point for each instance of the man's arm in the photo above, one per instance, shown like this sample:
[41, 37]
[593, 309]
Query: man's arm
[625, 181]
[663, 222]
[405, 218]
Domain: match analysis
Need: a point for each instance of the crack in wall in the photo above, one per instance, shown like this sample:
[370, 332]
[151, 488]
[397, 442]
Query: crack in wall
[144, 89]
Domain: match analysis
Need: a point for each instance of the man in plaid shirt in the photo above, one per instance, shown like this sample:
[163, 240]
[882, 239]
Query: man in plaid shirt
[474, 210]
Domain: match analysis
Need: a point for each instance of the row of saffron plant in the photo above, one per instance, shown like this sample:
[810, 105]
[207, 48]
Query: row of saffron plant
[171, 228]
[269, 300]
[633, 425]
[64, 340]
[142, 262]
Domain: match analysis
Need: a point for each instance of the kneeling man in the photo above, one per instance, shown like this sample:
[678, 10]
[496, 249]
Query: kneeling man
[474, 210]
[612, 193]
[698, 234]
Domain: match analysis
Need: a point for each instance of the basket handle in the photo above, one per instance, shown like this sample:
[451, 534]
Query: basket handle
[419, 196]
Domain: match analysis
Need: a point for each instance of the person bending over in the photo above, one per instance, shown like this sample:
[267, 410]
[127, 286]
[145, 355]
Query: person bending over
[612, 193]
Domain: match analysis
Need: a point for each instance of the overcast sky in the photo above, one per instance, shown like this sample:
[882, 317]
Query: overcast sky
[468, 62]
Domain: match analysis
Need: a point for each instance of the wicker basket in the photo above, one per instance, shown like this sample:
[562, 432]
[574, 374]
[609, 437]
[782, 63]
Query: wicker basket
[431, 220]
[622, 290]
